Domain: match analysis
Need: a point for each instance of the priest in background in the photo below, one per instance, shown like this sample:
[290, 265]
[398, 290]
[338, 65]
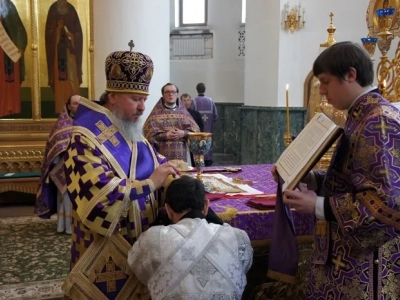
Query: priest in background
[168, 125]
[187, 101]
[208, 111]
[52, 196]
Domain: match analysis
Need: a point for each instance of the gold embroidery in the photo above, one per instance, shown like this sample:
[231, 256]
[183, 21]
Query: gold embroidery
[338, 263]
[107, 133]
[383, 126]
[380, 210]
[395, 153]
[371, 100]
[138, 186]
[110, 276]
[321, 227]
[366, 153]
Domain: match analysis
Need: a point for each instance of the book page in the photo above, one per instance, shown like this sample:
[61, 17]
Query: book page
[305, 146]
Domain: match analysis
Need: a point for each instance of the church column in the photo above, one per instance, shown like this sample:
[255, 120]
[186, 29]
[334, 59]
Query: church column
[269, 64]
[263, 25]
[144, 22]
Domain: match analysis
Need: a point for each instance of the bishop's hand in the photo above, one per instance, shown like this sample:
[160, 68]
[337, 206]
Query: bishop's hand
[161, 173]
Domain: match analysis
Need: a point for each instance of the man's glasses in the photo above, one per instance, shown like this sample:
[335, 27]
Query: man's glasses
[170, 92]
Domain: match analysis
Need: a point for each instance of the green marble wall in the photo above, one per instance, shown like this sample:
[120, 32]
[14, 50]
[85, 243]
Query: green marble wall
[226, 136]
[254, 135]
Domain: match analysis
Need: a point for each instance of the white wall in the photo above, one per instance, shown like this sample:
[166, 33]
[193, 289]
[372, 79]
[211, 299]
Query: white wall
[144, 22]
[262, 52]
[299, 50]
[224, 74]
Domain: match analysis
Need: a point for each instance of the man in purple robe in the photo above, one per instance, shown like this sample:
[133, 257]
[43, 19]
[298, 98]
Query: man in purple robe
[168, 125]
[357, 200]
[113, 175]
[206, 107]
[52, 196]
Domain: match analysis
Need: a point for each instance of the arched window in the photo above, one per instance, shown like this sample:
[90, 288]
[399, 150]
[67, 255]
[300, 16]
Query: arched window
[190, 13]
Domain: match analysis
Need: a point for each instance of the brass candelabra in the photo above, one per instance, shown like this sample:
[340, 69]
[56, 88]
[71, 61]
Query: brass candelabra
[295, 18]
[318, 103]
[388, 70]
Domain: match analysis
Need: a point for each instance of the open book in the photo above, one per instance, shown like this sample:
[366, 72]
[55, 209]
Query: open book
[307, 149]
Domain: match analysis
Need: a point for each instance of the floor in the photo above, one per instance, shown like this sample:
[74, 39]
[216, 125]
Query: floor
[18, 210]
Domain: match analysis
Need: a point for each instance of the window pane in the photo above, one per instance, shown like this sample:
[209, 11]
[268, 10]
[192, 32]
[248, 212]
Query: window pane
[176, 13]
[193, 11]
[243, 11]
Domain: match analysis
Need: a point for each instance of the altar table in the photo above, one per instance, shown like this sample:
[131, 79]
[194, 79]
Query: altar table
[257, 223]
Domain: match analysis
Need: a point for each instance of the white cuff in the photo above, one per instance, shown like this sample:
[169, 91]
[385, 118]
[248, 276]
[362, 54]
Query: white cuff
[319, 208]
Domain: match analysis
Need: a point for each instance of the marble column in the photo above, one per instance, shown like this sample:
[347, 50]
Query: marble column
[147, 23]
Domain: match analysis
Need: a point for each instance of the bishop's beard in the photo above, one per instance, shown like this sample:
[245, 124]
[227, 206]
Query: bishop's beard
[132, 131]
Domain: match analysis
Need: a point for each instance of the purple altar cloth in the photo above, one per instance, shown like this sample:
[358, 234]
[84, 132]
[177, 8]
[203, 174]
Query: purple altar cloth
[258, 223]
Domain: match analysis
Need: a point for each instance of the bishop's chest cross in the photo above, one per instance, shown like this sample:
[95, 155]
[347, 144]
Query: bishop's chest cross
[205, 118]
[338, 262]
[107, 133]
[110, 276]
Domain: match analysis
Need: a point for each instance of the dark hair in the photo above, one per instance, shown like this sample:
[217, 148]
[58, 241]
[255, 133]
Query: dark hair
[104, 98]
[201, 88]
[167, 84]
[185, 95]
[69, 100]
[185, 193]
[340, 57]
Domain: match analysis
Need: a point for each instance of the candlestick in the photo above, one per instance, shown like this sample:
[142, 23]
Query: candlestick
[287, 109]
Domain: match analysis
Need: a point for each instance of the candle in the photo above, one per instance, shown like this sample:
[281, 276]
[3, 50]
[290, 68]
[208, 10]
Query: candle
[287, 109]
[384, 83]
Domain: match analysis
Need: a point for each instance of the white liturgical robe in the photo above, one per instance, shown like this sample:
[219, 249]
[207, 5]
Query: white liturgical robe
[192, 260]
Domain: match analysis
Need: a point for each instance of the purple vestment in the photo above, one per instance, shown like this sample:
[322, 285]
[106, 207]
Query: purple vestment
[206, 107]
[160, 121]
[357, 254]
[114, 201]
[59, 138]
[283, 256]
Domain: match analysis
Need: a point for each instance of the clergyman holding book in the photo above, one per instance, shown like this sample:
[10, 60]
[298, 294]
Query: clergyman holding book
[356, 201]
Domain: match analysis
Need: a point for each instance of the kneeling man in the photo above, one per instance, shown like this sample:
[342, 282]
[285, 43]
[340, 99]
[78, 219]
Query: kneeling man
[191, 257]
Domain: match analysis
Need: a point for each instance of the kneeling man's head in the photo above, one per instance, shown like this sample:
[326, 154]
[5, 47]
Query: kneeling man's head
[183, 195]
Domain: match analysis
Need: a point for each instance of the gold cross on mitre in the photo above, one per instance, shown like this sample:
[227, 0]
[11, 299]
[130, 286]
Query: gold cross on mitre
[107, 133]
[131, 44]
